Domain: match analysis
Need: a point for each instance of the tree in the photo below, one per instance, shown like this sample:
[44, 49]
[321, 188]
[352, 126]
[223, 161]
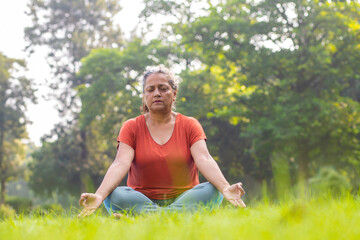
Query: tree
[15, 93]
[273, 83]
[70, 29]
[195, 39]
[111, 94]
[303, 83]
[284, 72]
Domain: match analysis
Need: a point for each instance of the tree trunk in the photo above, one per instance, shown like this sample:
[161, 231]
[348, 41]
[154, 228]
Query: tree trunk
[2, 165]
[303, 161]
[281, 173]
[84, 163]
[303, 169]
[2, 196]
[87, 184]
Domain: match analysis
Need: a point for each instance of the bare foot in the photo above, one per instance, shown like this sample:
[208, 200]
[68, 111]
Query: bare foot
[118, 215]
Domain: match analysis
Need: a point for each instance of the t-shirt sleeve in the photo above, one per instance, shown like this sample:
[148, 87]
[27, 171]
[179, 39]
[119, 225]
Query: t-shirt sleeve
[127, 133]
[196, 132]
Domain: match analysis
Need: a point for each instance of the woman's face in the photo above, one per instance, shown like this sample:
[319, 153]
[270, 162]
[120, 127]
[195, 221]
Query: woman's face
[158, 94]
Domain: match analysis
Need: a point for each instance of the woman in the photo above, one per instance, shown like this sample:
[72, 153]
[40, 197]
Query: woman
[161, 151]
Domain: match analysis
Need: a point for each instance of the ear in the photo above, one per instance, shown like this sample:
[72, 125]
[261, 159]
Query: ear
[175, 92]
[143, 103]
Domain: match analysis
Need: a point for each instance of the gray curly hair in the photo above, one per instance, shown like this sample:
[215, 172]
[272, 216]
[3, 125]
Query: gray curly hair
[173, 80]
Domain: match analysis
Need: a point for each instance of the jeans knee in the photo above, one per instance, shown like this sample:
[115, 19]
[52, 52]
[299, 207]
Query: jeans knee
[206, 185]
[119, 193]
[214, 192]
[124, 188]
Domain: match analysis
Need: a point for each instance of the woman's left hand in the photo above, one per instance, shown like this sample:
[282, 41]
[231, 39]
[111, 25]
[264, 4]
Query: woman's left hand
[234, 193]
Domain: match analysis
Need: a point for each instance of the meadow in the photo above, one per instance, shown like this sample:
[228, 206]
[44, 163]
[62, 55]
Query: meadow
[320, 218]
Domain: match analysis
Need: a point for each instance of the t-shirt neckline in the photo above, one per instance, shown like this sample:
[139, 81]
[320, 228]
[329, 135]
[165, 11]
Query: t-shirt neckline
[172, 134]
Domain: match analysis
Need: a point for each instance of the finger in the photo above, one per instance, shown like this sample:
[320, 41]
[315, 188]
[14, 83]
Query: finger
[81, 202]
[234, 202]
[242, 191]
[82, 199]
[85, 212]
[242, 204]
[90, 212]
[238, 203]
[82, 213]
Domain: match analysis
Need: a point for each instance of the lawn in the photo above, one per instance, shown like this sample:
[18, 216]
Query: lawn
[333, 218]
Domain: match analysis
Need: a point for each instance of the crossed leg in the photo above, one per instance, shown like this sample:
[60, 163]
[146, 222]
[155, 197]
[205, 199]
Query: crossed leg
[128, 199]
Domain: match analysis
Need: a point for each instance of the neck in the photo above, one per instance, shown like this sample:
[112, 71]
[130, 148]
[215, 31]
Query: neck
[160, 118]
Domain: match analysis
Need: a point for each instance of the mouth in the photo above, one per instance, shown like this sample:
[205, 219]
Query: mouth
[157, 101]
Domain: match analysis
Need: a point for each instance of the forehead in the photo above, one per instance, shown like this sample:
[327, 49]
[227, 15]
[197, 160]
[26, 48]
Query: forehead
[156, 79]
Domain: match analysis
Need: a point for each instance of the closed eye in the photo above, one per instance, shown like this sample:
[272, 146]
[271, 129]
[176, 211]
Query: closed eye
[162, 88]
[150, 89]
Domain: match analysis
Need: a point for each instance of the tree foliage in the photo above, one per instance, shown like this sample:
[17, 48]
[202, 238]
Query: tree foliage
[15, 92]
[70, 29]
[274, 83]
[110, 94]
[281, 71]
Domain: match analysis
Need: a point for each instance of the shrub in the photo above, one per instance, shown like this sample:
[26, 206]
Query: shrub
[328, 180]
[48, 208]
[54, 207]
[20, 204]
[6, 211]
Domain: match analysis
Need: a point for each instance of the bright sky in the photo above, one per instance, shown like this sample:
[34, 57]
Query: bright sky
[13, 20]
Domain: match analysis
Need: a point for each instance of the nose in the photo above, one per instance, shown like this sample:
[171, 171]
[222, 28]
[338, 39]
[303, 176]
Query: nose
[156, 92]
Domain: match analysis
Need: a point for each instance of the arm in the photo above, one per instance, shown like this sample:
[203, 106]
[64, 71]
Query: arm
[114, 175]
[211, 171]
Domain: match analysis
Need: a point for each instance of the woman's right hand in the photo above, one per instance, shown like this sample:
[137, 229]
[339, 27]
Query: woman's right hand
[234, 193]
[90, 202]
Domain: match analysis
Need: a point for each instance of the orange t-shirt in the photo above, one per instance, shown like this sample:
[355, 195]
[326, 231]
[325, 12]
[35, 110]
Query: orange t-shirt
[162, 171]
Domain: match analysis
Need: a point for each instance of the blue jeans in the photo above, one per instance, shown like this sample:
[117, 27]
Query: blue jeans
[134, 202]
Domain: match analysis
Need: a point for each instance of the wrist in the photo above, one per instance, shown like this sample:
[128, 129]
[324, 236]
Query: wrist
[224, 188]
[101, 195]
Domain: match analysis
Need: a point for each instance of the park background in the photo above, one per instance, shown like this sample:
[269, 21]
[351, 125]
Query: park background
[275, 85]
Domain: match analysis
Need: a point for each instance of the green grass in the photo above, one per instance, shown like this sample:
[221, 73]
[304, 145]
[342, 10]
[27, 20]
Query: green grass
[312, 219]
